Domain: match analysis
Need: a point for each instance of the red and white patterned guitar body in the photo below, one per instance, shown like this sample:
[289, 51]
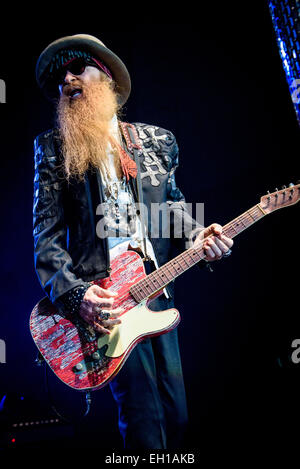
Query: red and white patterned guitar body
[83, 359]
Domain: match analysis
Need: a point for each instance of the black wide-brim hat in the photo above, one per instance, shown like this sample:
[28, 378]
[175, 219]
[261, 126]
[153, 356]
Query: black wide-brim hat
[89, 44]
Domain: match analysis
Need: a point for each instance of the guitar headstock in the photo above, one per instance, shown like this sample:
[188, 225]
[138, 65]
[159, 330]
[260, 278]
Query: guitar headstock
[280, 198]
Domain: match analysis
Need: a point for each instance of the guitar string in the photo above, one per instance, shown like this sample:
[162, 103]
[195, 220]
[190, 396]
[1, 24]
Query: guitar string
[249, 218]
[141, 287]
[243, 217]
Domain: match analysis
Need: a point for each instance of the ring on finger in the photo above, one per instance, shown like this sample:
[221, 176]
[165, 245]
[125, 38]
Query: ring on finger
[98, 308]
[227, 253]
[103, 315]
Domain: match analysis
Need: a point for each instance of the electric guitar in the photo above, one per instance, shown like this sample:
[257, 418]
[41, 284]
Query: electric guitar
[86, 360]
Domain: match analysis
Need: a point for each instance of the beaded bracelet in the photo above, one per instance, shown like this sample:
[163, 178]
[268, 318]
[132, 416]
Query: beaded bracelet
[72, 299]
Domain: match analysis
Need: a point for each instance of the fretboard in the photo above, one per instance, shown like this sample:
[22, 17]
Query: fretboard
[161, 277]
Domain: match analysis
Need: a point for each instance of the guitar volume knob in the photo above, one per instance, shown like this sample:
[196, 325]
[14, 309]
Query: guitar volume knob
[96, 356]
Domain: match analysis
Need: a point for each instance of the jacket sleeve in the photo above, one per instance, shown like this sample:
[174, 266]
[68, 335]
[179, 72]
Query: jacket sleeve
[53, 263]
[185, 227]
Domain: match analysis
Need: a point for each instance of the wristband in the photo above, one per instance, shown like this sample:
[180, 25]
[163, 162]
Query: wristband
[72, 299]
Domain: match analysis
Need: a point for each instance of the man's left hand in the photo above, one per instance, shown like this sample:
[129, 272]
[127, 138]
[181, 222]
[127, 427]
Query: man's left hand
[215, 243]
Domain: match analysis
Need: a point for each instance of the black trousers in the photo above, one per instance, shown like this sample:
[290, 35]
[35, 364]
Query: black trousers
[149, 391]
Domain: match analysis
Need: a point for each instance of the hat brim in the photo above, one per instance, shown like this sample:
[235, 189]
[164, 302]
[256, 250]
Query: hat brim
[90, 44]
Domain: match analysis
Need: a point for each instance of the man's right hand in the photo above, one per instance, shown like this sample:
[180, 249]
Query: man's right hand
[94, 298]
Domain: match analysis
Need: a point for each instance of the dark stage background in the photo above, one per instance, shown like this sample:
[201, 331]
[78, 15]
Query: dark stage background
[219, 86]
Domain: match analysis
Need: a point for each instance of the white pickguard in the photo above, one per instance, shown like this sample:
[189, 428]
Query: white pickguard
[137, 322]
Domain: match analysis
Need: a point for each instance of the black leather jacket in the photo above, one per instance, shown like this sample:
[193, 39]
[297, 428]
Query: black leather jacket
[67, 249]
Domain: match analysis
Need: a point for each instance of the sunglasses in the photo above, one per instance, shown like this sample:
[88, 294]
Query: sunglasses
[76, 67]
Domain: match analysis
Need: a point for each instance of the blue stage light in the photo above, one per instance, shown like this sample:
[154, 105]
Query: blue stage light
[286, 21]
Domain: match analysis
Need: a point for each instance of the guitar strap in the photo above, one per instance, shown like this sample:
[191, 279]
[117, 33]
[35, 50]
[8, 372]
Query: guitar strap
[134, 145]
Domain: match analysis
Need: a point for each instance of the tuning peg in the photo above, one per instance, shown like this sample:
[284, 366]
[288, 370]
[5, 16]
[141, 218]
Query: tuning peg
[283, 187]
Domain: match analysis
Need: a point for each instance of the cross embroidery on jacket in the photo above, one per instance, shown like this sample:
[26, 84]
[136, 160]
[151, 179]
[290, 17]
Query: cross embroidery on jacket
[150, 162]
[152, 143]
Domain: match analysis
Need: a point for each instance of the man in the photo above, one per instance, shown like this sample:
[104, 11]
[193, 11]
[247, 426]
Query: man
[86, 162]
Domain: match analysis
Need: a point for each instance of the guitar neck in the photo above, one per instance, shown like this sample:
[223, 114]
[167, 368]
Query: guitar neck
[161, 277]
[243, 222]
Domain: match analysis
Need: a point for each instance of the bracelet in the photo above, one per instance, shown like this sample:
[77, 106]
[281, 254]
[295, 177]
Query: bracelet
[72, 299]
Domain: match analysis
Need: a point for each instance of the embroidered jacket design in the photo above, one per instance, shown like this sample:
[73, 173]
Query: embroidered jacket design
[156, 144]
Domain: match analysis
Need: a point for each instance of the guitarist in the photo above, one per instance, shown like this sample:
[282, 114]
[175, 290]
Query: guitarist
[85, 189]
